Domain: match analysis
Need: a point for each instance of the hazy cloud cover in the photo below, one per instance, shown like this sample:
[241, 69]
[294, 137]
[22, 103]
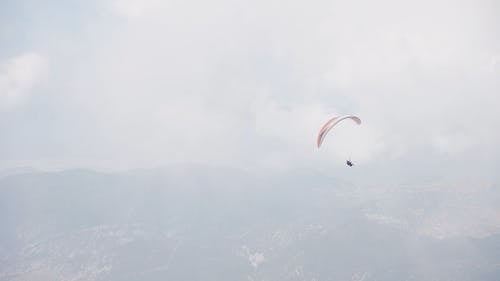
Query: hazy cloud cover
[248, 84]
[18, 77]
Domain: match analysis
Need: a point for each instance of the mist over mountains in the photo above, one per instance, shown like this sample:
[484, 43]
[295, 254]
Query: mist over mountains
[206, 223]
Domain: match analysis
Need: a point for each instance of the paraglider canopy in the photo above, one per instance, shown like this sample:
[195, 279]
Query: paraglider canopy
[331, 123]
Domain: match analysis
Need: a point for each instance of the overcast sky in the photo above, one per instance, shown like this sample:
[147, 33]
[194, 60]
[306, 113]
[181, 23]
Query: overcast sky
[143, 83]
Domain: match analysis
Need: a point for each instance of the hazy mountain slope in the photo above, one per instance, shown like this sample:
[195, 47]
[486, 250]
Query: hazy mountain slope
[223, 224]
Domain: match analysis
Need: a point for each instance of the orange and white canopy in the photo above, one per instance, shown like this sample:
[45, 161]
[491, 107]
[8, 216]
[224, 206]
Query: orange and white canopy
[331, 123]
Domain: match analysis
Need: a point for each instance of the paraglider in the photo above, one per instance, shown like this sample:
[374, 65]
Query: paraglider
[330, 124]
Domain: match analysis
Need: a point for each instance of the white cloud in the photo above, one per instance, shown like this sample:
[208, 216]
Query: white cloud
[135, 9]
[18, 77]
[237, 83]
[494, 61]
[407, 81]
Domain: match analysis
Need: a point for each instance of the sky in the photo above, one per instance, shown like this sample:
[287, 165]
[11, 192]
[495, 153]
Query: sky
[116, 85]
